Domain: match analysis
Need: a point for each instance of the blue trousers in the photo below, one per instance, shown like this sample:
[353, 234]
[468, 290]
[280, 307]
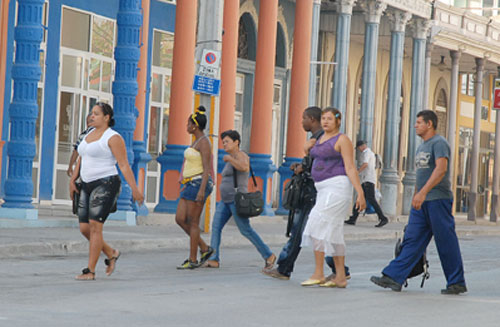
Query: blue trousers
[433, 218]
[224, 211]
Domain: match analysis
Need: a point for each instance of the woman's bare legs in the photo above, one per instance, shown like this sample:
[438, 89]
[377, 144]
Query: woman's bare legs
[319, 258]
[340, 278]
[187, 217]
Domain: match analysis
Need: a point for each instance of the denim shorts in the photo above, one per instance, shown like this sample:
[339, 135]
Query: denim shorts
[190, 190]
[98, 199]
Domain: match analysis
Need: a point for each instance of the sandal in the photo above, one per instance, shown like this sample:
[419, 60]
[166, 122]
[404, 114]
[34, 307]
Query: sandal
[270, 262]
[211, 264]
[86, 275]
[111, 262]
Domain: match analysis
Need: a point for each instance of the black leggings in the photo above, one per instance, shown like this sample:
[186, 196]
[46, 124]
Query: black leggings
[98, 199]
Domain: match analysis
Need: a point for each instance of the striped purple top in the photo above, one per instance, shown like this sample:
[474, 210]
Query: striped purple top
[327, 162]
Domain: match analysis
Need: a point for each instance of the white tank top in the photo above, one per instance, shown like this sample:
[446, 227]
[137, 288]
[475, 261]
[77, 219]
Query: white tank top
[97, 159]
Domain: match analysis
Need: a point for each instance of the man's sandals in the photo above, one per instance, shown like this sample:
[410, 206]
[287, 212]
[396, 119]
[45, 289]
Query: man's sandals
[111, 262]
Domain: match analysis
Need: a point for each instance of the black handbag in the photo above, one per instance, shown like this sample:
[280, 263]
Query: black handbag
[76, 197]
[249, 204]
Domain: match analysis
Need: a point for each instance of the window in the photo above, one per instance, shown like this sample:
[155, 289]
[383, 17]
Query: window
[86, 74]
[163, 45]
[468, 84]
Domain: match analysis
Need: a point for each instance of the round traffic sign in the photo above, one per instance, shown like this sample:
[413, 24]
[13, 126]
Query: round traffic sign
[210, 58]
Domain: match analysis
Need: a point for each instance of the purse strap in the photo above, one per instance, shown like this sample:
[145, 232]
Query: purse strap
[234, 177]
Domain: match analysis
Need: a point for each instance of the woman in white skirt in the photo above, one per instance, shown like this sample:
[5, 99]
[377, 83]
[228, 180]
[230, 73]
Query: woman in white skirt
[334, 175]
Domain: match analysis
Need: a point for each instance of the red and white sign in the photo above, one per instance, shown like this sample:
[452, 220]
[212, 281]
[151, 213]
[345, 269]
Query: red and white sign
[210, 58]
[496, 99]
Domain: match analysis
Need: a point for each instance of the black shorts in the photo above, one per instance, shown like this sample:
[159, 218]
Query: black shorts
[98, 199]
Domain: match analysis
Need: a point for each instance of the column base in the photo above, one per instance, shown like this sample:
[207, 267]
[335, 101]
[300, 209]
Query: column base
[167, 206]
[409, 182]
[494, 208]
[171, 159]
[19, 213]
[128, 216]
[141, 159]
[389, 189]
[285, 174]
[471, 213]
[263, 167]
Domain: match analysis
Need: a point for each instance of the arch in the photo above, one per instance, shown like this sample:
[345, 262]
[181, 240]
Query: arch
[247, 37]
[440, 106]
[281, 53]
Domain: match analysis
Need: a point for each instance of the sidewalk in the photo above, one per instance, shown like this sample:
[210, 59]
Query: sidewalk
[58, 235]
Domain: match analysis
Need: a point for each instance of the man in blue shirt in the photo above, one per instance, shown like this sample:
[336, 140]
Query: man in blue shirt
[430, 214]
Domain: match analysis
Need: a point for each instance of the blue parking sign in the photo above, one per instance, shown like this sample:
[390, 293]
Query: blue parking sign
[206, 85]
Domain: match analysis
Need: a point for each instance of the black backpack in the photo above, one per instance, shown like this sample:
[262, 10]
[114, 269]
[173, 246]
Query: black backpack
[420, 268]
[291, 194]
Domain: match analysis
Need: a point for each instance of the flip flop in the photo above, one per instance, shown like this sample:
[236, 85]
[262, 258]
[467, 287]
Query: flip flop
[107, 262]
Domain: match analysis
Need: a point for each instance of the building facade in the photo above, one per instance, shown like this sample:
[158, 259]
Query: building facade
[378, 61]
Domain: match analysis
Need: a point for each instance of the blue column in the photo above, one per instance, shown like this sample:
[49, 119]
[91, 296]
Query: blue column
[285, 174]
[373, 12]
[390, 178]
[264, 168]
[127, 53]
[141, 159]
[171, 159]
[342, 43]
[23, 111]
[420, 28]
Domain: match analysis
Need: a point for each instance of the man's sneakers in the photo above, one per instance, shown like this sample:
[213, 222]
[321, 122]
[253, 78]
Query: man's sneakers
[275, 274]
[350, 221]
[386, 282]
[382, 222]
[188, 264]
[454, 289]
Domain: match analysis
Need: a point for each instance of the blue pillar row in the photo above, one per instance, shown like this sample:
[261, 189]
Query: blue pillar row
[421, 28]
[127, 53]
[373, 12]
[171, 159]
[263, 167]
[390, 178]
[23, 110]
[342, 43]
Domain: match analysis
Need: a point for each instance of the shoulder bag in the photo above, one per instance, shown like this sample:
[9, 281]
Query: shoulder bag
[248, 204]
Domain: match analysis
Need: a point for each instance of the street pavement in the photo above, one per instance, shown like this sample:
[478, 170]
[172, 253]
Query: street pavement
[159, 231]
[147, 290]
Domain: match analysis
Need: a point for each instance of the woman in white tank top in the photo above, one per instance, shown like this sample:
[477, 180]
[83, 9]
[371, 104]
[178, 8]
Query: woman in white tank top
[100, 151]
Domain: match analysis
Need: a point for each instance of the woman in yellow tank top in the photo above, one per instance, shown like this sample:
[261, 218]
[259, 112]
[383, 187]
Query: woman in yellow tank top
[196, 186]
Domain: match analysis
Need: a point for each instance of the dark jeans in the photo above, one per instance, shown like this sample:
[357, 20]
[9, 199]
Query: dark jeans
[369, 190]
[291, 250]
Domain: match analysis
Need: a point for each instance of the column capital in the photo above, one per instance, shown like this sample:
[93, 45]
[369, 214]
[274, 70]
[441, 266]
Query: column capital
[345, 6]
[373, 10]
[479, 64]
[317, 2]
[398, 20]
[455, 55]
[420, 28]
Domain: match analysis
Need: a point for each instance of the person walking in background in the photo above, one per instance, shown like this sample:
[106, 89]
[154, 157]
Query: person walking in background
[100, 150]
[368, 178]
[431, 214]
[311, 122]
[334, 174]
[197, 184]
[237, 162]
